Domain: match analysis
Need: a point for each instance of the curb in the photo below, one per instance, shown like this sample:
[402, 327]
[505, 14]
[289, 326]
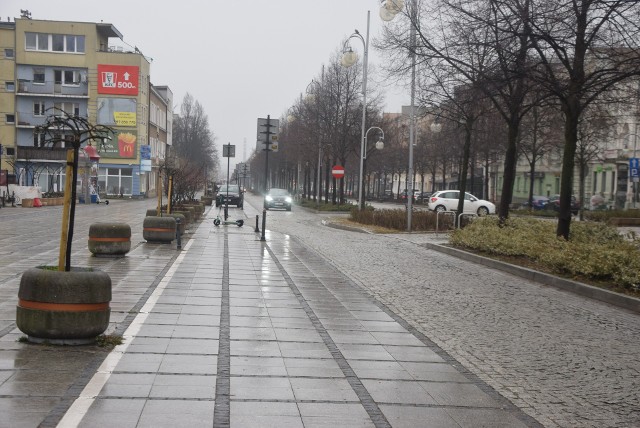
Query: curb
[616, 299]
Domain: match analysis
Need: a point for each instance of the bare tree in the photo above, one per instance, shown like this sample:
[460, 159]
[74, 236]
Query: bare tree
[586, 48]
[539, 137]
[193, 140]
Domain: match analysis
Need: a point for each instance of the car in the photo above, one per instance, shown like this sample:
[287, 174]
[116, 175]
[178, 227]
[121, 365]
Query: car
[403, 195]
[554, 204]
[230, 194]
[447, 200]
[278, 198]
[423, 197]
[537, 203]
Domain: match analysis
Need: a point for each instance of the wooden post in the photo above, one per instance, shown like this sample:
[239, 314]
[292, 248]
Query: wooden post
[159, 192]
[65, 210]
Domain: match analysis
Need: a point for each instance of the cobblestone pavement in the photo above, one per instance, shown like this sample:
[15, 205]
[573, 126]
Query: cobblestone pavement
[566, 360]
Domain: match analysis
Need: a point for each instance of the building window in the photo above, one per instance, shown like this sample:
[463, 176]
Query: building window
[38, 108]
[72, 109]
[116, 181]
[66, 77]
[10, 118]
[8, 53]
[10, 86]
[603, 186]
[38, 139]
[57, 42]
[11, 151]
[54, 42]
[38, 75]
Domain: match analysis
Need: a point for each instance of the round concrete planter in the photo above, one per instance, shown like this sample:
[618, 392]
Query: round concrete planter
[63, 308]
[183, 221]
[109, 239]
[153, 212]
[187, 216]
[195, 213]
[159, 229]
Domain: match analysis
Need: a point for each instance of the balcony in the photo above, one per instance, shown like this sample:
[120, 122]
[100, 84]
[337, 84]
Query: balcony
[29, 88]
[41, 153]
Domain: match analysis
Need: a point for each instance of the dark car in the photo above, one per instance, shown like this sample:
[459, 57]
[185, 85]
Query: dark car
[537, 203]
[554, 204]
[278, 198]
[423, 197]
[230, 193]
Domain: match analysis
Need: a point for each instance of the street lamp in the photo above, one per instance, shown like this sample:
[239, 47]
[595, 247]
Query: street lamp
[393, 7]
[379, 146]
[349, 58]
[314, 97]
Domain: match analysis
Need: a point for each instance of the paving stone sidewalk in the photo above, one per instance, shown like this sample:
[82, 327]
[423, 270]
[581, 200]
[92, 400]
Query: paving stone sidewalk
[237, 332]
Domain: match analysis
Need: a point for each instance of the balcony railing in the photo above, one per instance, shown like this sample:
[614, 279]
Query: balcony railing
[27, 87]
[41, 153]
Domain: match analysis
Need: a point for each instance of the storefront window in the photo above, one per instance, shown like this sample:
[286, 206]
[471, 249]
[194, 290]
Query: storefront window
[116, 181]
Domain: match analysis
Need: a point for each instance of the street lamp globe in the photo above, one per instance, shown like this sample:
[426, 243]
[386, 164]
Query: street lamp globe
[380, 144]
[349, 58]
[436, 127]
[386, 14]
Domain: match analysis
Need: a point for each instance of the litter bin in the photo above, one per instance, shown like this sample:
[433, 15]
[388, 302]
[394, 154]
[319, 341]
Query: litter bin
[94, 199]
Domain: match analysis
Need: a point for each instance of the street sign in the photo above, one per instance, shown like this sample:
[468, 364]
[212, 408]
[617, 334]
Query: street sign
[228, 151]
[268, 130]
[634, 167]
[337, 171]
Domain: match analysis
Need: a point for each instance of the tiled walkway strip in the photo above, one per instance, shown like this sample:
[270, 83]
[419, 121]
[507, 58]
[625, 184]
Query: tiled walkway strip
[221, 414]
[376, 415]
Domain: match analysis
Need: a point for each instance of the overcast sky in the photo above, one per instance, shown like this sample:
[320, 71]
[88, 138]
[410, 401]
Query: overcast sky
[241, 59]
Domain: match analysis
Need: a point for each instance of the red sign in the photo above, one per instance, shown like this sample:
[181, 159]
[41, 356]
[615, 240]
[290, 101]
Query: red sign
[337, 171]
[117, 79]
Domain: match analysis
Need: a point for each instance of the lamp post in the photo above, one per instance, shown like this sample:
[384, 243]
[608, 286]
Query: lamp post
[309, 92]
[379, 146]
[349, 58]
[388, 10]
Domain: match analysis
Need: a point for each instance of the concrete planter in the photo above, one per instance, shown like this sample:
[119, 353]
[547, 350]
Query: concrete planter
[109, 239]
[154, 212]
[188, 217]
[182, 226]
[195, 213]
[207, 200]
[159, 229]
[64, 308]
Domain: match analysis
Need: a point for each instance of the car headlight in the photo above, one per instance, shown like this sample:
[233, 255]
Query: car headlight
[269, 198]
[288, 199]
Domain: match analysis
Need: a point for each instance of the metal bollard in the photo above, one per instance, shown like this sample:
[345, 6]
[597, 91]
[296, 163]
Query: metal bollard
[264, 224]
[257, 228]
[178, 241]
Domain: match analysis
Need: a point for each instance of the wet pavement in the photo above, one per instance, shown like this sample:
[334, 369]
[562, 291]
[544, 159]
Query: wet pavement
[230, 331]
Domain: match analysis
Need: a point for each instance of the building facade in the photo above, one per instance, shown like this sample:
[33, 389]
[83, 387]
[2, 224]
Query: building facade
[81, 69]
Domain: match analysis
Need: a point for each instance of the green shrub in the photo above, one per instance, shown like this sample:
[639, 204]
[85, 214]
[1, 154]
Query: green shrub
[605, 215]
[325, 207]
[595, 250]
[397, 219]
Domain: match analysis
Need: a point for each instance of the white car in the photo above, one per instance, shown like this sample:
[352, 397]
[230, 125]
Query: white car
[447, 200]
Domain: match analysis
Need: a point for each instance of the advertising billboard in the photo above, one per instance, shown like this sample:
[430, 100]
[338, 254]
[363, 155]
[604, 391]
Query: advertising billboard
[118, 79]
[117, 111]
[122, 145]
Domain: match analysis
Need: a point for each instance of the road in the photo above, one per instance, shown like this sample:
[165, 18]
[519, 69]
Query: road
[566, 360]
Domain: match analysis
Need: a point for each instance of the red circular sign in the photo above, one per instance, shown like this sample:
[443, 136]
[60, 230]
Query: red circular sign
[337, 171]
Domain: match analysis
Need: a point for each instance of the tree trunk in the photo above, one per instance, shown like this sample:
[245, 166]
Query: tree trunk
[572, 113]
[511, 156]
[465, 167]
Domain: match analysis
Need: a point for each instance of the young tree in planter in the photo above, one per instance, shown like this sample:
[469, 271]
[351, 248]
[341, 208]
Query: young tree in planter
[73, 131]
